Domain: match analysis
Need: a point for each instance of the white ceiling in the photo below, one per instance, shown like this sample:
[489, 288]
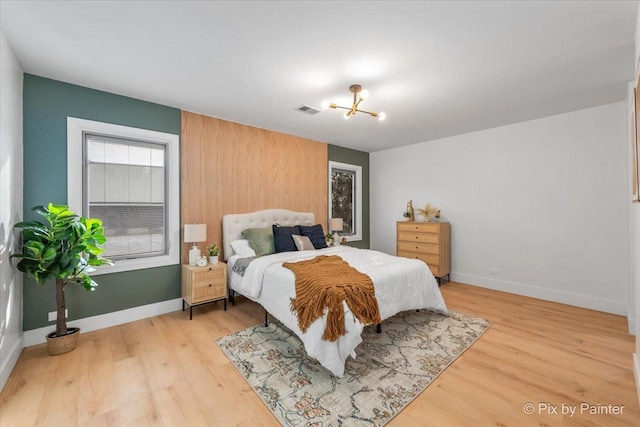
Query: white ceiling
[436, 68]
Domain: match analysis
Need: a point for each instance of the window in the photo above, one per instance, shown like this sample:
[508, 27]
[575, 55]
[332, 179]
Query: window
[345, 198]
[128, 178]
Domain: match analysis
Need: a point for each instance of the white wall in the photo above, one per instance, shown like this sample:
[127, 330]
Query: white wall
[635, 247]
[11, 334]
[544, 201]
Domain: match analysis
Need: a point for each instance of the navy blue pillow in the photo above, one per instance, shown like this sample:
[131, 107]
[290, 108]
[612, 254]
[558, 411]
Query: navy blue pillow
[315, 234]
[282, 238]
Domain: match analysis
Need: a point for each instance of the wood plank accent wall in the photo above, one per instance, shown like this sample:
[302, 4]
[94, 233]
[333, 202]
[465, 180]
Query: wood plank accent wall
[233, 168]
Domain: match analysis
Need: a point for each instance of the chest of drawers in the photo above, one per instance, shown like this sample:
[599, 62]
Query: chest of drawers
[426, 241]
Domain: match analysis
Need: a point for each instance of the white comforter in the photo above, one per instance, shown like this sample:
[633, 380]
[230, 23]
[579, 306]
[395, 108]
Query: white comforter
[400, 284]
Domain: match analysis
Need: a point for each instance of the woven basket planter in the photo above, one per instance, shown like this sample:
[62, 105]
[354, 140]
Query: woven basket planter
[64, 344]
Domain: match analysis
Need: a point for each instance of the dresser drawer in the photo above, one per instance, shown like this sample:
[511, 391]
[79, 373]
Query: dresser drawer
[411, 236]
[425, 248]
[423, 227]
[429, 259]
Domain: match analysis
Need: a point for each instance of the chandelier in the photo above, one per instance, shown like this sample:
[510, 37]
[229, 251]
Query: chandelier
[359, 95]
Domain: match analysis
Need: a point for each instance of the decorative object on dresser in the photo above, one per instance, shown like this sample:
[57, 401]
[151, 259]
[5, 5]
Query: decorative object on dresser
[426, 241]
[430, 213]
[213, 251]
[202, 285]
[409, 213]
[195, 233]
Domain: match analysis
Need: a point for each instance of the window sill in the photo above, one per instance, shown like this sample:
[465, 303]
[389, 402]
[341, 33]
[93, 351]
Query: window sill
[136, 264]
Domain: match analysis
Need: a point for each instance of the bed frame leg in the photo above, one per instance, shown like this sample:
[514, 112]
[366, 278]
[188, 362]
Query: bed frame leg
[266, 319]
[379, 328]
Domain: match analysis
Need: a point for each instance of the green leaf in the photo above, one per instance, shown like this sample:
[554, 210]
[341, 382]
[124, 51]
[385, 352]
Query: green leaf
[50, 254]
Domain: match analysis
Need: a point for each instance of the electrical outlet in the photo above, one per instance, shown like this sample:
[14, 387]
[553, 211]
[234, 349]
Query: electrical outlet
[53, 315]
[495, 270]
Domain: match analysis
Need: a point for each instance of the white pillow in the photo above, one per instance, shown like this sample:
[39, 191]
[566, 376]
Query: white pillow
[241, 247]
[303, 243]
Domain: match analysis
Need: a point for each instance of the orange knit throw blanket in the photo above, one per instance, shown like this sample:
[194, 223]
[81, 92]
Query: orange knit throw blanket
[326, 281]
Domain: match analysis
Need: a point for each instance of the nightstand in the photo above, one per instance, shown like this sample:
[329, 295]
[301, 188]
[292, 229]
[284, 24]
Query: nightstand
[202, 285]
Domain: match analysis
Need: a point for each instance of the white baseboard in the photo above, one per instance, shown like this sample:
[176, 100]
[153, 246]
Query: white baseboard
[9, 360]
[636, 373]
[88, 324]
[633, 330]
[579, 300]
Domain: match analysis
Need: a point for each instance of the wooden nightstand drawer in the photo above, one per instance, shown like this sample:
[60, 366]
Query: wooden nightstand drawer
[411, 236]
[208, 276]
[211, 291]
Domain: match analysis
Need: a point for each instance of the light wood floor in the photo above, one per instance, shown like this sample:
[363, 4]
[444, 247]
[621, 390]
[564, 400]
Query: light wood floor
[168, 371]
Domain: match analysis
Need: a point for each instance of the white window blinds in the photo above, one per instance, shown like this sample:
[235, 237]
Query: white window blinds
[125, 186]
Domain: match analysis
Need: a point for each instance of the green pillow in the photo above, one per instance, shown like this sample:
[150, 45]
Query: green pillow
[260, 240]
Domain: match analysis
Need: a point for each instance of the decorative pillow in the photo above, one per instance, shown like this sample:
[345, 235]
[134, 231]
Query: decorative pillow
[315, 234]
[282, 237]
[303, 243]
[260, 240]
[241, 247]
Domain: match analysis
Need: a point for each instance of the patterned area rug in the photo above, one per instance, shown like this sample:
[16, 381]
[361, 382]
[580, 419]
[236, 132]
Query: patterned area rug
[389, 371]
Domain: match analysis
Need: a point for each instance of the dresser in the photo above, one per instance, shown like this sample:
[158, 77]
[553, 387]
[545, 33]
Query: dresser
[202, 285]
[426, 241]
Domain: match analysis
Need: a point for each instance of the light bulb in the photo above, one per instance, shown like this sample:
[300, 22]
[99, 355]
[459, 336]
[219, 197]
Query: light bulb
[364, 94]
[325, 104]
[347, 115]
[382, 116]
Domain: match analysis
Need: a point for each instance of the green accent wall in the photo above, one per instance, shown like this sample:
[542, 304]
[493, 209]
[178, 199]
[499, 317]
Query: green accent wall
[47, 104]
[360, 158]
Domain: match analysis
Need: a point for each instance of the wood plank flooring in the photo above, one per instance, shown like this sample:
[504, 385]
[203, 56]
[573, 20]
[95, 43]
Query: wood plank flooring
[168, 371]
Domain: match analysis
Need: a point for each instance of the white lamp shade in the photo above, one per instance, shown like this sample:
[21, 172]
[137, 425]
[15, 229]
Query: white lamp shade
[336, 224]
[195, 233]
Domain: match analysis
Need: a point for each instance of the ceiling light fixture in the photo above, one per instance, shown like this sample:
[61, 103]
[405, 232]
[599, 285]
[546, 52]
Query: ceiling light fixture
[359, 95]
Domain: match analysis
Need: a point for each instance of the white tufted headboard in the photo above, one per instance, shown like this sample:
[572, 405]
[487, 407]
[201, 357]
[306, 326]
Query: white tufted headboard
[233, 224]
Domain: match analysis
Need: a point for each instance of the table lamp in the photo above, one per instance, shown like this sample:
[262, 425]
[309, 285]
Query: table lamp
[194, 233]
[336, 225]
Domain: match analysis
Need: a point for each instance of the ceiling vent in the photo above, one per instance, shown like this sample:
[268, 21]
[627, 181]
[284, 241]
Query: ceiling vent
[308, 109]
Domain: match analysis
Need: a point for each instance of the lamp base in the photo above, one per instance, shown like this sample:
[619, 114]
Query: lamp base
[194, 254]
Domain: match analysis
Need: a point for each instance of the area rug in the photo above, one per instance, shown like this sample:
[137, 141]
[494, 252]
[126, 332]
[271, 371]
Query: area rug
[389, 371]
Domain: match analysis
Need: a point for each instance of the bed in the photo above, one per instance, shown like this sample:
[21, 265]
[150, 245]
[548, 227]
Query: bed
[400, 284]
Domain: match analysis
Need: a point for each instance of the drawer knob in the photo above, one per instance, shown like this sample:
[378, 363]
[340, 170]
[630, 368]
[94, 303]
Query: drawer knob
[210, 285]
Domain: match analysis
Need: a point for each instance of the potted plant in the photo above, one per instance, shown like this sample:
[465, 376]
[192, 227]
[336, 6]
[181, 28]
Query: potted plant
[329, 237]
[213, 252]
[65, 250]
[406, 215]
